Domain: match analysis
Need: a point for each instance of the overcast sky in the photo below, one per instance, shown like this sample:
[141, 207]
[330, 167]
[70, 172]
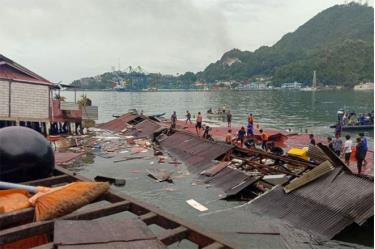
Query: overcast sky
[64, 40]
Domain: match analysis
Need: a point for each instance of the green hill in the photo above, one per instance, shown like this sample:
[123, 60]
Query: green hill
[338, 43]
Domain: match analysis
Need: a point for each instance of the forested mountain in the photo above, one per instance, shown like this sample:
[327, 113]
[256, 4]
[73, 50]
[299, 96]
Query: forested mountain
[337, 43]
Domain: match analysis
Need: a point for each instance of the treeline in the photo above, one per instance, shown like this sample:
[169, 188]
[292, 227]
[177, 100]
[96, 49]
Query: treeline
[337, 43]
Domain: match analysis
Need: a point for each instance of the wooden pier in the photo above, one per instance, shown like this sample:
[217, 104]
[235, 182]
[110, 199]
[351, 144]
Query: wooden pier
[19, 224]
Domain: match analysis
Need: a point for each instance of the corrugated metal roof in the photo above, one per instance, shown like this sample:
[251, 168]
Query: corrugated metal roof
[119, 123]
[196, 152]
[109, 234]
[13, 71]
[323, 207]
[231, 181]
[144, 129]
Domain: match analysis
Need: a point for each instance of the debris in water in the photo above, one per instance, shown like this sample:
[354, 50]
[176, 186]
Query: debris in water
[160, 175]
[196, 205]
[114, 181]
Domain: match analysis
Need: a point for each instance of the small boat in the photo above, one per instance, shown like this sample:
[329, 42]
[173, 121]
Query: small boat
[350, 122]
[355, 127]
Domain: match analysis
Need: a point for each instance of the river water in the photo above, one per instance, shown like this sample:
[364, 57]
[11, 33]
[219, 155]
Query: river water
[272, 109]
[296, 110]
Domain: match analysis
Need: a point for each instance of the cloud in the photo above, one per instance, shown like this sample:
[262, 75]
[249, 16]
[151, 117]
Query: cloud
[70, 39]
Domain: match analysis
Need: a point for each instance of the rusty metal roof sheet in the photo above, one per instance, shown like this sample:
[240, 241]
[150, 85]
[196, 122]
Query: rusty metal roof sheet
[74, 234]
[196, 152]
[323, 207]
[118, 124]
[144, 129]
[231, 181]
[13, 71]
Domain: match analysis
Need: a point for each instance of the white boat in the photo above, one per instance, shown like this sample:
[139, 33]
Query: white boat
[308, 89]
[369, 86]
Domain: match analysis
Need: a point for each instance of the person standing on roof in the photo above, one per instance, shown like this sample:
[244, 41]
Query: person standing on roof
[228, 137]
[188, 117]
[173, 120]
[264, 138]
[330, 144]
[229, 118]
[337, 145]
[360, 154]
[365, 143]
[241, 135]
[312, 139]
[250, 131]
[198, 125]
[347, 150]
[250, 119]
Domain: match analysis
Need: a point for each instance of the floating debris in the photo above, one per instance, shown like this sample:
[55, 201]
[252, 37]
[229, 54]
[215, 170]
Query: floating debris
[196, 205]
[114, 181]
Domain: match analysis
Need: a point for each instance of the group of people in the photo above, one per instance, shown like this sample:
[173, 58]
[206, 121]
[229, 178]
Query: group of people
[351, 118]
[247, 133]
[345, 149]
[198, 123]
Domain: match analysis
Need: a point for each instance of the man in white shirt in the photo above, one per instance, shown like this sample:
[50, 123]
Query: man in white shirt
[347, 150]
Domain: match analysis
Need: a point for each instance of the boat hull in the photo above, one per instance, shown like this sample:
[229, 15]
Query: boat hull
[355, 127]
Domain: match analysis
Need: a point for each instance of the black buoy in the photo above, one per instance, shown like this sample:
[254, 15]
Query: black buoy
[25, 155]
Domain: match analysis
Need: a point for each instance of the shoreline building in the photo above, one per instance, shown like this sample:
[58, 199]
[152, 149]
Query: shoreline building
[26, 99]
[24, 96]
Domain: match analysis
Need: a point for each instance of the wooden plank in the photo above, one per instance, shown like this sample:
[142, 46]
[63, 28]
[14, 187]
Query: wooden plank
[215, 245]
[174, 235]
[281, 158]
[27, 230]
[17, 217]
[163, 218]
[50, 181]
[99, 212]
[24, 231]
[148, 218]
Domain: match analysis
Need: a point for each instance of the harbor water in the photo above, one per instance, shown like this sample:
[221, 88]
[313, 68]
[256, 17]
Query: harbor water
[295, 110]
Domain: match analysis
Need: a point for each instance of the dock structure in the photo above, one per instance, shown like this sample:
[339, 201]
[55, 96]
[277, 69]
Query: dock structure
[19, 225]
[27, 99]
[24, 96]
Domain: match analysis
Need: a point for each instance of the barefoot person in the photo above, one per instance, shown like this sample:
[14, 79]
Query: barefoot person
[241, 135]
[229, 119]
[264, 138]
[347, 150]
[360, 154]
[173, 120]
[228, 137]
[198, 125]
[365, 143]
[188, 117]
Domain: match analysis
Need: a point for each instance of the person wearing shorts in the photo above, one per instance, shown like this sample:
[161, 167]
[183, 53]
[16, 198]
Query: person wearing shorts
[347, 149]
[198, 125]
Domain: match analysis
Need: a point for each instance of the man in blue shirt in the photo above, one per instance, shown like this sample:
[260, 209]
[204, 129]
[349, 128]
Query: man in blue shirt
[365, 143]
[360, 154]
